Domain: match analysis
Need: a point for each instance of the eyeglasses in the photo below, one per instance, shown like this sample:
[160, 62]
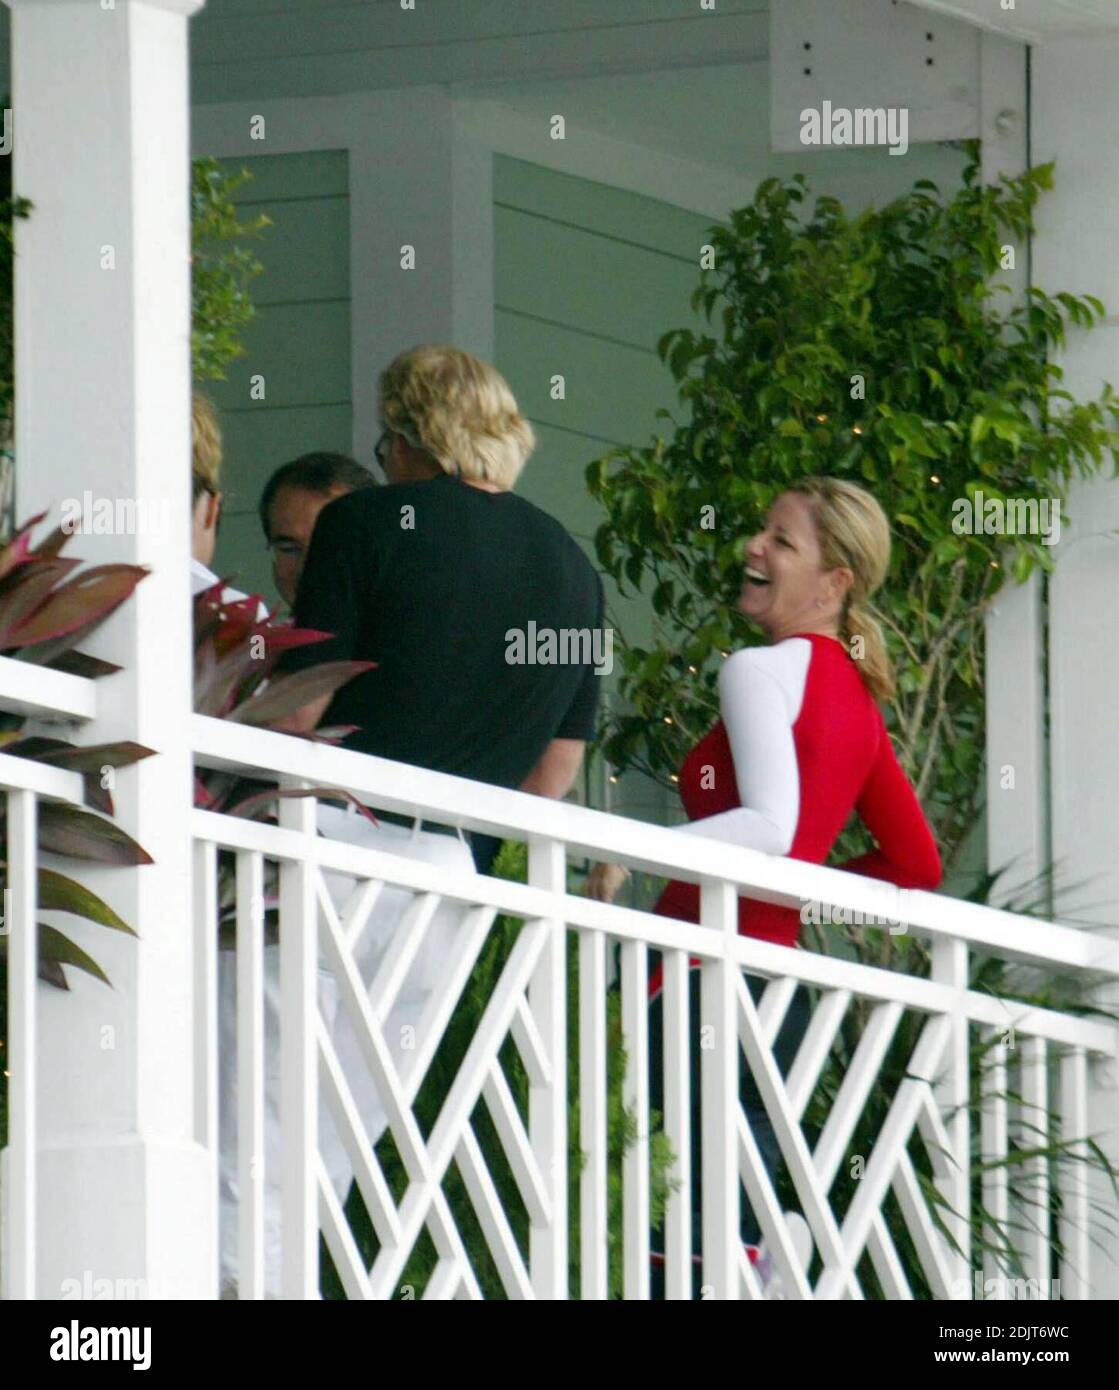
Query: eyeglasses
[287, 550]
[383, 448]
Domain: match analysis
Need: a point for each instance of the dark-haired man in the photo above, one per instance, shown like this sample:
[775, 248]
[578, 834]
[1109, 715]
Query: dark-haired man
[290, 505]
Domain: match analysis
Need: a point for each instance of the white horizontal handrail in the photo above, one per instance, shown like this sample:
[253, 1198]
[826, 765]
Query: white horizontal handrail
[399, 787]
[37, 691]
[660, 933]
[51, 783]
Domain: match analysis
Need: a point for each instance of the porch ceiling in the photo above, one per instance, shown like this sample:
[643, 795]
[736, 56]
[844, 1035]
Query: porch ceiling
[256, 49]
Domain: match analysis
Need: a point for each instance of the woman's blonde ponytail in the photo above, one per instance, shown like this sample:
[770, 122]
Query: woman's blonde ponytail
[863, 635]
[854, 534]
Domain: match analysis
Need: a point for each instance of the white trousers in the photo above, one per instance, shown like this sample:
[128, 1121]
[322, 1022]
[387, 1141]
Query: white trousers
[426, 978]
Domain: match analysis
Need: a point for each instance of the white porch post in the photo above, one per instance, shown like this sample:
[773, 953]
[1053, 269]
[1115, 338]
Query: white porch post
[1075, 107]
[126, 1192]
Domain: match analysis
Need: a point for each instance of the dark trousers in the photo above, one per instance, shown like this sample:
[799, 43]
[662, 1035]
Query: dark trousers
[484, 849]
[785, 1047]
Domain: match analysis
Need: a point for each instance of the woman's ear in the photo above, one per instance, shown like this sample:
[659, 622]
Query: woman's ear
[841, 581]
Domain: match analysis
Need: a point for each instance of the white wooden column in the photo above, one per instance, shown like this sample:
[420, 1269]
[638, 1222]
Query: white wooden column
[1074, 110]
[1017, 791]
[103, 389]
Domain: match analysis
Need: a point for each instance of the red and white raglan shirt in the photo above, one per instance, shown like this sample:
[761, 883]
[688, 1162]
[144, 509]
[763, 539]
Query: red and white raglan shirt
[800, 745]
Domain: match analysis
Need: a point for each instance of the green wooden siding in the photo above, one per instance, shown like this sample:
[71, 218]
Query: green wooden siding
[586, 280]
[299, 343]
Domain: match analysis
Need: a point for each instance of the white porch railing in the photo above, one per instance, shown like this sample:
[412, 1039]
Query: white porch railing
[31, 691]
[930, 1107]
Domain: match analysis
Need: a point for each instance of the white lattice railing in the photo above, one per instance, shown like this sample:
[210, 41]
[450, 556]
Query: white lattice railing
[32, 691]
[930, 1107]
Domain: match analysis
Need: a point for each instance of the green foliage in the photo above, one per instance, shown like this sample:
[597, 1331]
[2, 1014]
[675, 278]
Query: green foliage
[10, 209]
[959, 397]
[221, 269]
[621, 1125]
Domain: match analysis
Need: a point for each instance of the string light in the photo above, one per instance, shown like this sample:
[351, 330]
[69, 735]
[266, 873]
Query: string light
[693, 670]
[667, 719]
[822, 419]
[857, 429]
[933, 478]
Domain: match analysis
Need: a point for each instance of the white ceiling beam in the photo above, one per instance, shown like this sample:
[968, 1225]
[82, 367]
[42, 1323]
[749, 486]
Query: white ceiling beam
[1032, 21]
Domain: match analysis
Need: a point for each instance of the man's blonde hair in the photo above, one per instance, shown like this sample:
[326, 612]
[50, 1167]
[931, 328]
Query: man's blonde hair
[205, 441]
[459, 410]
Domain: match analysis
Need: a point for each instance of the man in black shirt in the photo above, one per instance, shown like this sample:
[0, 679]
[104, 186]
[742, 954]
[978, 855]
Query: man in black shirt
[483, 615]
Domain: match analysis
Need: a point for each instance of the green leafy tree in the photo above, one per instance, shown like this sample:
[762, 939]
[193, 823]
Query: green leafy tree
[222, 269]
[874, 348]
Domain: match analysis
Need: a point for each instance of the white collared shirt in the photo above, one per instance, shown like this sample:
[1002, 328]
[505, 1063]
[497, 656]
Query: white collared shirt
[202, 578]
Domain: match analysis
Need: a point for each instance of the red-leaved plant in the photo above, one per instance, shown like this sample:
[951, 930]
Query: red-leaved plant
[237, 646]
[45, 611]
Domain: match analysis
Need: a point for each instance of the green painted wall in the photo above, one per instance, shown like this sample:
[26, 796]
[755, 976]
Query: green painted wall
[299, 342]
[586, 279]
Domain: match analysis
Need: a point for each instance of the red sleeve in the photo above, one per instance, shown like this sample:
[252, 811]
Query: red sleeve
[906, 855]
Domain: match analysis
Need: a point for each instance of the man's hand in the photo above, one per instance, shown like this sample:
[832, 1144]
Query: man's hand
[604, 881]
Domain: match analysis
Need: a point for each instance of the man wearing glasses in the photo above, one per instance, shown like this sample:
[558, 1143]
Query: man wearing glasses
[290, 505]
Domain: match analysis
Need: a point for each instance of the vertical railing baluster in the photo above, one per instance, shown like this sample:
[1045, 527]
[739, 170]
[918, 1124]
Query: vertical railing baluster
[1073, 1180]
[635, 1176]
[593, 1137]
[205, 1028]
[298, 1057]
[21, 925]
[720, 1103]
[953, 1094]
[547, 1106]
[994, 1148]
[250, 1073]
[678, 1124]
[1032, 1134]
